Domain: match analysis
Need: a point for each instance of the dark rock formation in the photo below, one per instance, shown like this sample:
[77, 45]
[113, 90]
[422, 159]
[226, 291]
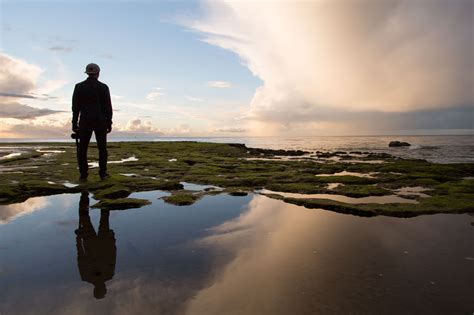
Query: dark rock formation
[398, 144]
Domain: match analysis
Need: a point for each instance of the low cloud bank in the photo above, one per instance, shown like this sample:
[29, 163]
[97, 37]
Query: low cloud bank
[18, 80]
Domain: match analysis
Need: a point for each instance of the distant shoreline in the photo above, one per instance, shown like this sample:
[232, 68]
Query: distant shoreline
[193, 138]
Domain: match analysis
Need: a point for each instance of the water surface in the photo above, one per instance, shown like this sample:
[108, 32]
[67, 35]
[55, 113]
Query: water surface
[229, 255]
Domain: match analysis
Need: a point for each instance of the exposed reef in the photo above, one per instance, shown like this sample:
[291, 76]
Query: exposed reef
[238, 170]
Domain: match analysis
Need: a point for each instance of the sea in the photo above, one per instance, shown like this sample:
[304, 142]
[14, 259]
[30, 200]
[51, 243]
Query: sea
[437, 149]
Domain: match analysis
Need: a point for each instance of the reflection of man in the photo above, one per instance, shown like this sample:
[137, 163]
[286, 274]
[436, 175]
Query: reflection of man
[96, 253]
[92, 112]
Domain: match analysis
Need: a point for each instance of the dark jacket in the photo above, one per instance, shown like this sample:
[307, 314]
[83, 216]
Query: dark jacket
[91, 105]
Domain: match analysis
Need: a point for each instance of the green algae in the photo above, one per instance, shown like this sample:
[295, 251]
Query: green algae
[181, 198]
[459, 203]
[112, 192]
[121, 204]
[361, 191]
[163, 165]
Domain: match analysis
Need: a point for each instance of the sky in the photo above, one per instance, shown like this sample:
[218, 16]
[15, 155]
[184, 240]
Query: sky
[242, 68]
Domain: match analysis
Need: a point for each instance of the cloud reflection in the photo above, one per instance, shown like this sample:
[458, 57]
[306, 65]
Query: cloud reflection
[10, 212]
[269, 242]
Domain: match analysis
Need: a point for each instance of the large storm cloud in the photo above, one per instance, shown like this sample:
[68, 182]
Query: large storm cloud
[348, 56]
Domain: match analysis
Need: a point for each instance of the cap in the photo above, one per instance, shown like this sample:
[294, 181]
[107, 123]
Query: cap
[92, 68]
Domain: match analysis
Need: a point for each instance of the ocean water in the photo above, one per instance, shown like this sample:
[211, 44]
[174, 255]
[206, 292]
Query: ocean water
[439, 149]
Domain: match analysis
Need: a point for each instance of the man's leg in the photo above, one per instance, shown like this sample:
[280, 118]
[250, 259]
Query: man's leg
[84, 139]
[101, 138]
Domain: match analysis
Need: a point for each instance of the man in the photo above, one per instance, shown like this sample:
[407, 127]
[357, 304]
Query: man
[92, 112]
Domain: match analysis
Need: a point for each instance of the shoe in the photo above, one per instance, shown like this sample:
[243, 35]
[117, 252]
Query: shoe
[104, 176]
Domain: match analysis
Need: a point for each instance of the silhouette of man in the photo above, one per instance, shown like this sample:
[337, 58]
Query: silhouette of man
[96, 252]
[92, 112]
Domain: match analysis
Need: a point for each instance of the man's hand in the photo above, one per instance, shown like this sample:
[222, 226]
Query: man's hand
[75, 128]
[109, 129]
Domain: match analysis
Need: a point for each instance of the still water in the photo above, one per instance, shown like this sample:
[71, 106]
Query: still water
[229, 255]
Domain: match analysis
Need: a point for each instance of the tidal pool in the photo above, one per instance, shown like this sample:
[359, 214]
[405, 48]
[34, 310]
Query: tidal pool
[229, 255]
[346, 173]
[341, 198]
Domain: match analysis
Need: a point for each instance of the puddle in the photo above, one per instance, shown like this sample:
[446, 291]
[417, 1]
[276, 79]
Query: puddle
[333, 186]
[356, 174]
[413, 191]
[199, 187]
[129, 159]
[362, 161]
[50, 151]
[341, 198]
[229, 255]
[129, 174]
[316, 159]
[16, 168]
[70, 185]
[150, 195]
[172, 160]
[11, 155]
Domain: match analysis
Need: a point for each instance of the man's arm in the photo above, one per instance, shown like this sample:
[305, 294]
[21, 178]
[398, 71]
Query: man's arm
[108, 109]
[76, 108]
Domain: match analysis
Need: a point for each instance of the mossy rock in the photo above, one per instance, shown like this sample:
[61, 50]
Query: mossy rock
[113, 192]
[361, 191]
[181, 199]
[302, 188]
[121, 204]
[227, 166]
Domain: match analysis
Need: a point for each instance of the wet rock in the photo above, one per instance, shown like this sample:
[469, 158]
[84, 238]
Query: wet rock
[113, 192]
[121, 204]
[398, 144]
[268, 152]
[181, 199]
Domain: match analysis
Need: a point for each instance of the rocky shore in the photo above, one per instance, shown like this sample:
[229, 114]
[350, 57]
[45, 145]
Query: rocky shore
[50, 168]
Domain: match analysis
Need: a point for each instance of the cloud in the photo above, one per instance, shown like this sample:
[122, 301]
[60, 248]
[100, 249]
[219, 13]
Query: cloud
[15, 95]
[59, 48]
[17, 76]
[58, 126]
[20, 111]
[194, 99]
[231, 129]
[348, 56]
[18, 80]
[138, 125]
[219, 84]
[155, 94]
[106, 56]
[141, 127]
[180, 130]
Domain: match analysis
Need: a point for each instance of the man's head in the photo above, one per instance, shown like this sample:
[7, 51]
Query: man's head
[100, 290]
[92, 70]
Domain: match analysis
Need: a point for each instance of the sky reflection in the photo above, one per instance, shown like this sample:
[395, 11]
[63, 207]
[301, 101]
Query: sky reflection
[234, 255]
